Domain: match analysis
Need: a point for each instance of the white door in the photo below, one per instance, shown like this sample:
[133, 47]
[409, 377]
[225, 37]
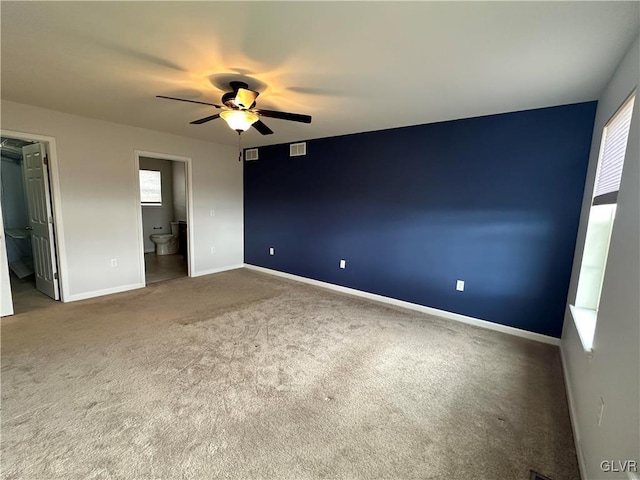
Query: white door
[36, 178]
[6, 302]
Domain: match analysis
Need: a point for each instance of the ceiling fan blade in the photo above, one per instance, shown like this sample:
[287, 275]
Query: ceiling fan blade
[245, 98]
[262, 128]
[294, 117]
[190, 101]
[205, 119]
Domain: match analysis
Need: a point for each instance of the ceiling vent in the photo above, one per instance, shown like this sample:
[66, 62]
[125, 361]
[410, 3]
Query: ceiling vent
[251, 154]
[297, 149]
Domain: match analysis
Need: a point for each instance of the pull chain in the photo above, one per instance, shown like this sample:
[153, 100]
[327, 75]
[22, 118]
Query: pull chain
[239, 147]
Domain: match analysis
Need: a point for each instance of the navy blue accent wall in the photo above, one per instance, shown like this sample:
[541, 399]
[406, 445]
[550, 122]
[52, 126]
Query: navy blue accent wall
[494, 201]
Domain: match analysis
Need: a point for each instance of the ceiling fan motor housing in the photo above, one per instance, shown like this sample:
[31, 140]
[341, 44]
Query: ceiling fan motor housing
[230, 99]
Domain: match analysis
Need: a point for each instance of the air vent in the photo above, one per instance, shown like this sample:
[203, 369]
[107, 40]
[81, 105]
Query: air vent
[251, 154]
[297, 149]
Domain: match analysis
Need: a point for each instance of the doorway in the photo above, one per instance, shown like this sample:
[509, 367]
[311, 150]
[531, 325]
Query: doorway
[28, 226]
[165, 212]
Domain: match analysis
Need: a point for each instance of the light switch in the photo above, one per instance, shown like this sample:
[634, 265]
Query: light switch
[343, 264]
[460, 285]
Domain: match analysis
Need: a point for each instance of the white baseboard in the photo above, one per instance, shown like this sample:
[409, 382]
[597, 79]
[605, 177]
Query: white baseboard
[413, 306]
[217, 270]
[99, 293]
[134, 286]
[573, 415]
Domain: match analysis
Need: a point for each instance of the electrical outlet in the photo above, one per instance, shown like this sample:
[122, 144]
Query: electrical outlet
[213, 249]
[600, 411]
[271, 251]
[343, 264]
[460, 285]
[114, 262]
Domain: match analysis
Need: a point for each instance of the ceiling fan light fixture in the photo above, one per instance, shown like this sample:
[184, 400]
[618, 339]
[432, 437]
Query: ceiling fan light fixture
[239, 120]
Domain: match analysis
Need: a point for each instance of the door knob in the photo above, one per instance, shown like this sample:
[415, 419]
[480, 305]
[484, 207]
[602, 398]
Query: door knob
[28, 228]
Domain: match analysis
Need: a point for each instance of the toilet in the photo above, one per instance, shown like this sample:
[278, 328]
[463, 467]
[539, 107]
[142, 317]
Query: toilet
[166, 243]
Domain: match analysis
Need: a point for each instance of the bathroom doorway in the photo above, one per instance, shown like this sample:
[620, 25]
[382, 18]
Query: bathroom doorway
[28, 225]
[164, 199]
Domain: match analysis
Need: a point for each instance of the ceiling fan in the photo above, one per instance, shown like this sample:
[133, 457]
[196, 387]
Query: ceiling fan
[238, 110]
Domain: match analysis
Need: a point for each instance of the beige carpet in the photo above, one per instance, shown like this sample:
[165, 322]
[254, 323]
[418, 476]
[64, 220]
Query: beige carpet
[244, 375]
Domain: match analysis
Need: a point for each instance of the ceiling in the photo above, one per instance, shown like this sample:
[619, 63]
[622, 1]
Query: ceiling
[353, 66]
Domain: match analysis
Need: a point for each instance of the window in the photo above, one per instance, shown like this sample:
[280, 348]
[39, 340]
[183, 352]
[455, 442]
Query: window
[601, 217]
[150, 188]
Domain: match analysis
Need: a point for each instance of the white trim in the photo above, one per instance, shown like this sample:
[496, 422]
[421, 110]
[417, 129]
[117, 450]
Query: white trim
[189, 194]
[190, 236]
[56, 205]
[218, 270]
[141, 274]
[585, 320]
[414, 306]
[573, 415]
[106, 291]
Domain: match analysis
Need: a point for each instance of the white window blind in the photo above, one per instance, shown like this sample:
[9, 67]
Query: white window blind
[150, 187]
[612, 151]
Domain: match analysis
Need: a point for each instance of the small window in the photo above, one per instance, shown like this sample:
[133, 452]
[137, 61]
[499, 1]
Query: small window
[150, 188]
[602, 215]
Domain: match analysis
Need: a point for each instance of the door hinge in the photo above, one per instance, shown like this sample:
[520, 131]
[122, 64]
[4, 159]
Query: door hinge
[46, 159]
[55, 276]
[51, 220]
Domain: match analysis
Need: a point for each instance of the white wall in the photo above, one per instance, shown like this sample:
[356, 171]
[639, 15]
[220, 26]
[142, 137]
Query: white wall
[179, 191]
[99, 188]
[157, 219]
[613, 373]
